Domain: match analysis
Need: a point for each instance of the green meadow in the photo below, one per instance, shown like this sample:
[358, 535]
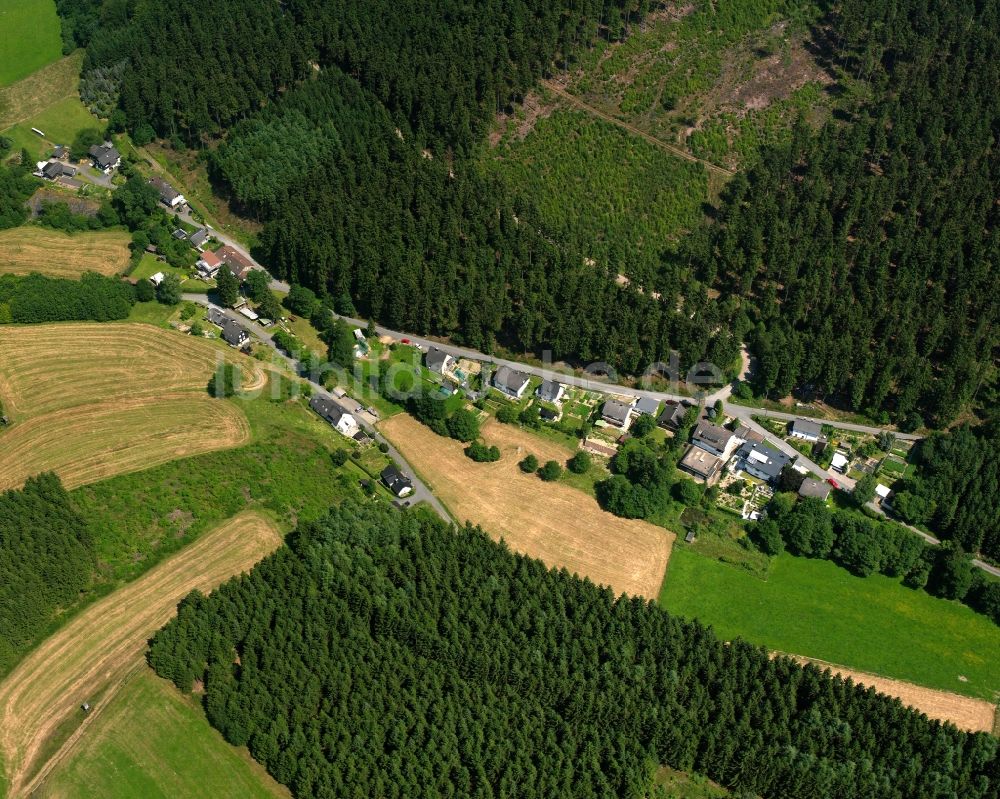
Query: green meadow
[31, 37]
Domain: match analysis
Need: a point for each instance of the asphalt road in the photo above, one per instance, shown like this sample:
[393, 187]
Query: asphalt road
[421, 493]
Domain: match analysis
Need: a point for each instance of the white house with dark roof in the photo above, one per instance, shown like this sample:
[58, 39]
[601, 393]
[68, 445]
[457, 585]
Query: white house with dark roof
[761, 461]
[169, 196]
[438, 361]
[234, 334]
[510, 382]
[617, 413]
[647, 406]
[397, 482]
[550, 391]
[806, 430]
[712, 438]
[105, 157]
[335, 414]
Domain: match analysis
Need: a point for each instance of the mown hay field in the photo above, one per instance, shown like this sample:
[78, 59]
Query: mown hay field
[36, 249]
[89, 401]
[561, 526]
[88, 659]
[153, 742]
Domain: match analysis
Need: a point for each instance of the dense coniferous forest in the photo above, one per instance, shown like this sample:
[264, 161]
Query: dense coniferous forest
[857, 257]
[955, 488]
[866, 254]
[385, 654]
[46, 559]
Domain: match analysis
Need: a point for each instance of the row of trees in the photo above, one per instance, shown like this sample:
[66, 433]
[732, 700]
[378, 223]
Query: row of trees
[385, 654]
[46, 559]
[38, 298]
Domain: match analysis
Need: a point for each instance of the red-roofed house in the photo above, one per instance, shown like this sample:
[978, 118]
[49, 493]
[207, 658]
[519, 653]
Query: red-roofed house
[208, 265]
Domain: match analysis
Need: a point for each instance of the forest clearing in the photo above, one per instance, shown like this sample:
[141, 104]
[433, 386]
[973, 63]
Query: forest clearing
[91, 655]
[35, 249]
[90, 401]
[559, 525]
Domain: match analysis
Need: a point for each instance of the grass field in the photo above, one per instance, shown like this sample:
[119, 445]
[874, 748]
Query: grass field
[151, 741]
[92, 654]
[817, 609]
[90, 400]
[552, 522]
[31, 37]
[37, 249]
[30, 96]
[60, 122]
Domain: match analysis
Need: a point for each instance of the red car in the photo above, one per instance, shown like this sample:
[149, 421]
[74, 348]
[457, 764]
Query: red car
[833, 482]
[405, 341]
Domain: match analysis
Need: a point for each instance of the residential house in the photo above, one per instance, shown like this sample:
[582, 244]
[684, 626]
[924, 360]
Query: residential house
[335, 414]
[811, 487]
[672, 415]
[198, 238]
[105, 157]
[55, 169]
[237, 262]
[510, 382]
[647, 406]
[712, 438]
[208, 265]
[839, 462]
[438, 361]
[882, 492]
[169, 196]
[216, 316]
[60, 152]
[744, 433]
[702, 464]
[761, 461]
[234, 333]
[397, 482]
[550, 391]
[180, 234]
[806, 430]
[617, 413]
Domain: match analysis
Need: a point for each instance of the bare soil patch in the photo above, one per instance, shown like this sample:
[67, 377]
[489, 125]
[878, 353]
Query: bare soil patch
[34, 249]
[560, 525]
[966, 713]
[98, 648]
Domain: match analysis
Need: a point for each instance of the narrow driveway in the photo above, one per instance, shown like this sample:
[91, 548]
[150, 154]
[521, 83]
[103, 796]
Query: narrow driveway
[421, 493]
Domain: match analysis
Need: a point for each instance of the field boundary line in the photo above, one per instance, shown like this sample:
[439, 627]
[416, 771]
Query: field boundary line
[679, 152]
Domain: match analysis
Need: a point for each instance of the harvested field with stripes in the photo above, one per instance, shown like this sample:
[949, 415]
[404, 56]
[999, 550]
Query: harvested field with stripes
[89, 400]
[35, 249]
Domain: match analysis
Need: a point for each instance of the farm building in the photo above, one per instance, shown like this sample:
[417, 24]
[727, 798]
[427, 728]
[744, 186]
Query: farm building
[397, 482]
[806, 430]
[336, 415]
[510, 382]
[438, 361]
[617, 413]
[550, 391]
[51, 170]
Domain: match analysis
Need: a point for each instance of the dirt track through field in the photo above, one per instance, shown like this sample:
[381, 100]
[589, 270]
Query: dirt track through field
[966, 713]
[553, 522]
[99, 647]
[33, 249]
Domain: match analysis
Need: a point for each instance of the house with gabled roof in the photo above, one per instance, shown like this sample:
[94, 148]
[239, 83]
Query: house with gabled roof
[334, 413]
[510, 382]
[550, 391]
[712, 438]
[617, 413]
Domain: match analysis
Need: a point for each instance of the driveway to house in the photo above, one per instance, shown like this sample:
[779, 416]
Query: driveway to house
[421, 493]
